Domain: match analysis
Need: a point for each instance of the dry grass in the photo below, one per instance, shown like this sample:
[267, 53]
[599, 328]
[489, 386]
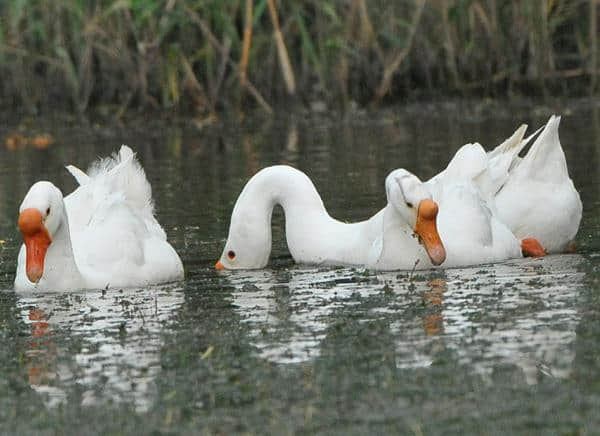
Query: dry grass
[207, 55]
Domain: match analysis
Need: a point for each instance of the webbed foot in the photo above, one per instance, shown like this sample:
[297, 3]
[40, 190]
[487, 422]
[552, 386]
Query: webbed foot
[531, 247]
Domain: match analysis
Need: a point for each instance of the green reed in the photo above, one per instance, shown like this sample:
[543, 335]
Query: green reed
[203, 56]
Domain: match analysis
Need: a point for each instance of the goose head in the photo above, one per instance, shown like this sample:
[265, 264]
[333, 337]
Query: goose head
[411, 199]
[248, 244]
[40, 217]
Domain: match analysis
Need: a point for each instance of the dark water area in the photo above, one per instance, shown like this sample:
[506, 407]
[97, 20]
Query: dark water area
[494, 349]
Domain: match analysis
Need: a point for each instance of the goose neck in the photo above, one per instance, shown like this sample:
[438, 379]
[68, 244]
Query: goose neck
[60, 267]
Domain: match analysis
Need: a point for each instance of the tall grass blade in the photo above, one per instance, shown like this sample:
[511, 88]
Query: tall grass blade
[282, 52]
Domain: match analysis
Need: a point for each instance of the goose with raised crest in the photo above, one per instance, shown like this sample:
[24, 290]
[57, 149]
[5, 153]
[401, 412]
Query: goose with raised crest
[104, 234]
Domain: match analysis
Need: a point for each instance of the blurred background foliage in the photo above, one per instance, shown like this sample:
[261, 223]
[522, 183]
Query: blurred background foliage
[205, 56]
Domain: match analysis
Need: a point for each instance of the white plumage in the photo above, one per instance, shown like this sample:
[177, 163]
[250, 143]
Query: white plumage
[391, 239]
[104, 234]
[532, 196]
[488, 204]
[538, 198]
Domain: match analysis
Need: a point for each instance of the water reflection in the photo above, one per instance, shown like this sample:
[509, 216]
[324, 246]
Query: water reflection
[518, 313]
[364, 352]
[106, 344]
[515, 313]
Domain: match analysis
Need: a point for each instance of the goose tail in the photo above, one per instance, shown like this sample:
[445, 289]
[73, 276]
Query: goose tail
[545, 160]
[81, 177]
[512, 146]
[122, 173]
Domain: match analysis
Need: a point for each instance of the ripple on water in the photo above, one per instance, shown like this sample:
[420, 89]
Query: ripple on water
[106, 342]
[519, 312]
[512, 346]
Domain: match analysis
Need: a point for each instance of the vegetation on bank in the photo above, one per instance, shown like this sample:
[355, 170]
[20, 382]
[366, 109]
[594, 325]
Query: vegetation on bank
[205, 55]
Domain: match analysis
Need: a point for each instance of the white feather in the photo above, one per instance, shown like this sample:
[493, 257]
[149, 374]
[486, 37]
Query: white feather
[112, 236]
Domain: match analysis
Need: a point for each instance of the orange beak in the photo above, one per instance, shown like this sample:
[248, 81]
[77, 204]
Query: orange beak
[37, 241]
[426, 228]
[219, 266]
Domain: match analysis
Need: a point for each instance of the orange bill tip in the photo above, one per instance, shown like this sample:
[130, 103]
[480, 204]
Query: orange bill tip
[30, 221]
[426, 228]
[37, 240]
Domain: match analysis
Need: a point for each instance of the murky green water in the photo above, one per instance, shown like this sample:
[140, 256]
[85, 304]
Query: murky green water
[500, 349]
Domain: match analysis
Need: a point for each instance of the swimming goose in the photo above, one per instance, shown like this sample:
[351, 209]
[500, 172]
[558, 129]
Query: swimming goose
[533, 196]
[104, 234]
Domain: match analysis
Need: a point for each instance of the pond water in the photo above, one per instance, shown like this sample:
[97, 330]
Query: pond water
[505, 348]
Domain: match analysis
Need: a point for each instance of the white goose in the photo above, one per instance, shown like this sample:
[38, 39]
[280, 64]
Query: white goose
[533, 196]
[538, 198]
[386, 241]
[104, 234]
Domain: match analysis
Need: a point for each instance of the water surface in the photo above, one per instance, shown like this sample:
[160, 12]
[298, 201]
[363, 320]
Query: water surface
[503, 348]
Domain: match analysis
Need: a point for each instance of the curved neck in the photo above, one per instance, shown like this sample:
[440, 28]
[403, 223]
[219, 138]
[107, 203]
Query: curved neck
[60, 269]
[312, 235]
[281, 185]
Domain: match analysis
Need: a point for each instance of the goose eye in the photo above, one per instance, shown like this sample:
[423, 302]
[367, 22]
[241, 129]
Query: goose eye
[409, 204]
[231, 254]
[47, 211]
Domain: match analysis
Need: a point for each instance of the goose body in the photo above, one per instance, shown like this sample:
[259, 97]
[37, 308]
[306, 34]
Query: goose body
[532, 196]
[470, 229]
[538, 198]
[397, 237]
[104, 234]
[469, 222]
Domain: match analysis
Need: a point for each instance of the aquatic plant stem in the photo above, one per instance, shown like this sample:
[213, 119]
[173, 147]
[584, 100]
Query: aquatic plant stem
[246, 42]
[394, 64]
[593, 45]
[213, 40]
[199, 94]
[282, 53]
[117, 55]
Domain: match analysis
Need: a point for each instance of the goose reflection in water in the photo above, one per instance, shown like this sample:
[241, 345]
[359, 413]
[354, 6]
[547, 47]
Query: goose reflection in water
[513, 313]
[105, 342]
[520, 313]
